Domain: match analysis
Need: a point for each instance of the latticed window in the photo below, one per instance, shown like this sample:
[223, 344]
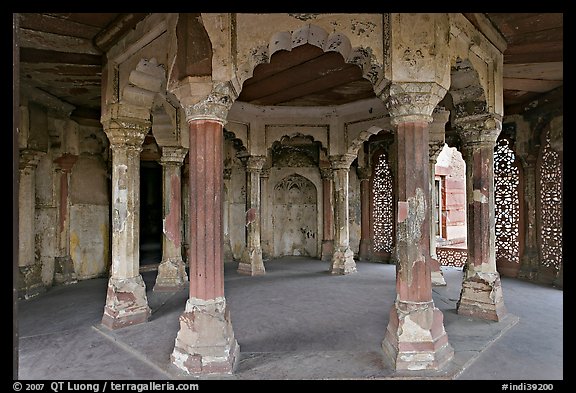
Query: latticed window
[507, 205]
[382, 217]
[551, 204]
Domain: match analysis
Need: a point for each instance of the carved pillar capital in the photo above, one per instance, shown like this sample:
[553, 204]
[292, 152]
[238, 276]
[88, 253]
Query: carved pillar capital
[66, 162]
[173, 155]
[413, 101]
[30, 158]
[479, 130]
[214, 106]
[126, 125]
[255, 163]
[341, 161]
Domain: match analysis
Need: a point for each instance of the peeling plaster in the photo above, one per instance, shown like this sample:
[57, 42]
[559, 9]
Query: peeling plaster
[478, 196]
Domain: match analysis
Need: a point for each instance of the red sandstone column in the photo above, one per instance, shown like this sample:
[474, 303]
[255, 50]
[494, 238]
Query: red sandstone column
[436, 143]
[343, 258]
[328, 215]
[126, 301]
[30, 273]
[364, 175]
[171, 271]
[205, 342]
[251, 262]
[415, 338]
[481, 294]
[63, 265]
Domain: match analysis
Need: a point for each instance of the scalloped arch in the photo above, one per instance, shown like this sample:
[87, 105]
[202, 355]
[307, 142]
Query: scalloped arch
[317, 36]
[361, 138]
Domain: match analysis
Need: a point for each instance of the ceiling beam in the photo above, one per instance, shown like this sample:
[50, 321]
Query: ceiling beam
[486, 27]
[108, 37]
[33, 55]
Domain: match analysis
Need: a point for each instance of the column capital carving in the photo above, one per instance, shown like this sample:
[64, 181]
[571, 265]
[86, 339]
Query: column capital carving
[413, 101]
[66, 161]
[437, 134]
[341, 161]
[214, 106]
[265, 172]
[326, 173]
[30, 158]
[478, 129]
[227, 174]
[125, 125]
[173, 155]
[364, 173]
[254, 163]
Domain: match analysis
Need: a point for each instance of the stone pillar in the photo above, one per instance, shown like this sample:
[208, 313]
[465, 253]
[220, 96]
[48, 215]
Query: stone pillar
[228, 255]
[530, 260]
[171, 271]
[266, 217]
[415, 338]
[343, 258]
[30, 273]
[481, 294]
[251, 262]
[185, 206]
[126, 301]
[205, 342]
[328, 214]
[435, 143]
[364, 175]
[63, 265]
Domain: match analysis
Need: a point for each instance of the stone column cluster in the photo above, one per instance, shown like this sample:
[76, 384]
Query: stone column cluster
[435, 143]
[481, 294]
[365, 248]
[415, 338]
[30, 272]
[251, 262]
[343, 257]
[205, 342]
[63, 265]
[327, 250]
[171, 271]
[126, 301]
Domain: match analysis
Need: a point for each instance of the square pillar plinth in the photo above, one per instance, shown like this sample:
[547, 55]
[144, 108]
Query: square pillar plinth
[415, 338]
[481, 297]
[251, 263]
[126, 303]
[171, 276]
[205, 343]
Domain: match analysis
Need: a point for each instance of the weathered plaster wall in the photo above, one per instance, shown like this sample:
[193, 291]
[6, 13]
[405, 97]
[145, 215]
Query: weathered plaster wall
[46, 218]
[89, 217]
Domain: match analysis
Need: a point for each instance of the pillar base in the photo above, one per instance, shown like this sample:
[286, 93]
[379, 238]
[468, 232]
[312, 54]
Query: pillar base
[327, 250]
[30, 281]
[205, 343]
[251, 263]
[528, 265]
[481, 297]
[415, 337]
[343, 262]
[126, 303]
[171, 276]
[364, 250]
[64, 270]
[436, 273]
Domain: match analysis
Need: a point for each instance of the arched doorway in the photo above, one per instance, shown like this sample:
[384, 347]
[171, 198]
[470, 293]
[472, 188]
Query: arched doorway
[295, 217]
